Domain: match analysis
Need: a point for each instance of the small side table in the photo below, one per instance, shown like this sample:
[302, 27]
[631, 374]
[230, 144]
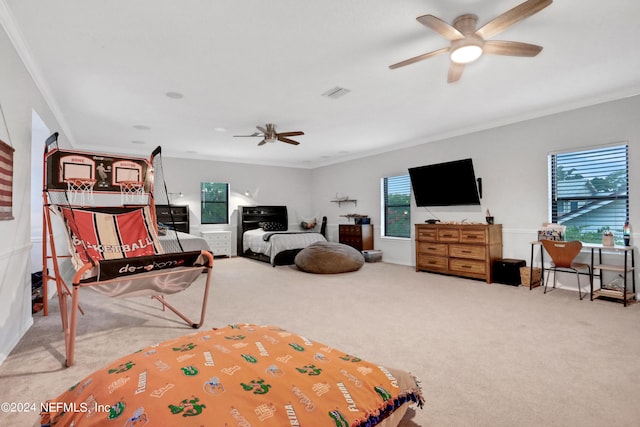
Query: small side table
[219, 242]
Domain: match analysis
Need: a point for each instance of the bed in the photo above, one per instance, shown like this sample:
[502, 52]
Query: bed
[242, 374]
[188, 242]
[264, 234]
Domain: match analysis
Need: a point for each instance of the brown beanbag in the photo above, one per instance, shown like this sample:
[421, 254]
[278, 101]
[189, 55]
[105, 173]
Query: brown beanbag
[329, 258]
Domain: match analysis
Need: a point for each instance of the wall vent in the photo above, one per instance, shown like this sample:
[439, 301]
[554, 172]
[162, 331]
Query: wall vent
[336, 92]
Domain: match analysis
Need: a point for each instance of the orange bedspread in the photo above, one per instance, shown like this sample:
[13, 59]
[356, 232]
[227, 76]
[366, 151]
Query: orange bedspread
[241, 375]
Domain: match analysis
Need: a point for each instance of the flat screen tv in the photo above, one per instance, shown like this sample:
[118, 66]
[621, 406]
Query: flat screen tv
[445, 184]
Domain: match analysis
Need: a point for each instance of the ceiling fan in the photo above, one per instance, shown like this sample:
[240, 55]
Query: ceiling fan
[270, 135]
[469, 43]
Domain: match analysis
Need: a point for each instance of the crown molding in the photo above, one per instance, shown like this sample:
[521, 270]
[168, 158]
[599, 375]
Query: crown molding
[8, 22]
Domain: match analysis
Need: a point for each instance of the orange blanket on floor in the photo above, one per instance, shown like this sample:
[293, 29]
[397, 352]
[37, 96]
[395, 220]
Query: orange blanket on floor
[241, 375]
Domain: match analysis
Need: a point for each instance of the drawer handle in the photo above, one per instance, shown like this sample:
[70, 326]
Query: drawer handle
[447, 235]
[466, 251]
[432, 262]
[466, 266]
[472, 237]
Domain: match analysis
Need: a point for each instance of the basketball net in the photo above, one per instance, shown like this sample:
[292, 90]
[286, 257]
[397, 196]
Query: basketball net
[80, 191]
[132, 192]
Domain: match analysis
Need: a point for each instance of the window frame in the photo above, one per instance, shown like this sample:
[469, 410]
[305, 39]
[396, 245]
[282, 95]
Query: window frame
[384, 192]
[204, 203]
[588, 165]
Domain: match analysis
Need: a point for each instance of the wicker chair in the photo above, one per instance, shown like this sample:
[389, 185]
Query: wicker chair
[562, 256]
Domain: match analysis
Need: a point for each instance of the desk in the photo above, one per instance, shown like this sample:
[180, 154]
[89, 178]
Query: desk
[623, 268]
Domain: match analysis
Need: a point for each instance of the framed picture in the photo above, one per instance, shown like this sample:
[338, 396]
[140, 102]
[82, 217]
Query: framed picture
[6, 181]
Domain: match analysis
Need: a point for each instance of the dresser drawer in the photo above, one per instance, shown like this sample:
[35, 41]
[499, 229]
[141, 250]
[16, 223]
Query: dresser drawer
[473, 236]
[436, 249]
[468, 251]
[428, 235]
[350, 230]
[448, 235]
[219, 242]
[434, 263]
[467, 266]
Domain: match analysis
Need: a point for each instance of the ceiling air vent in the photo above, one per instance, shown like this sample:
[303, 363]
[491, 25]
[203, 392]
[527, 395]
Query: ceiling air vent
[336, 92]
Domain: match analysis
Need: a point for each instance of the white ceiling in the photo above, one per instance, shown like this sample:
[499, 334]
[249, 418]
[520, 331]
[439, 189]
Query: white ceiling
[105, 68]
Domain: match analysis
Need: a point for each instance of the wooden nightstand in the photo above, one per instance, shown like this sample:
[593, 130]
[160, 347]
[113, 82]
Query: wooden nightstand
[359, 236]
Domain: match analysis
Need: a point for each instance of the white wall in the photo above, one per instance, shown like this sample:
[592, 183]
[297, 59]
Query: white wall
[267, 185]
[19, 96]
[512, 162]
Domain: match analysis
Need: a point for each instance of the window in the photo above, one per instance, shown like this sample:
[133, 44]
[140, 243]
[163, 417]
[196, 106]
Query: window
[589, 192]
[396, 200]
[214, 203]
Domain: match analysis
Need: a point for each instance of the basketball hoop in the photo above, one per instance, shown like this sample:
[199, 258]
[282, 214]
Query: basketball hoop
[131, 192]
[80, 190]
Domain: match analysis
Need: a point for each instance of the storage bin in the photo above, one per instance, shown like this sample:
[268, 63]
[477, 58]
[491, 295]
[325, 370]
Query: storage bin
[506, 271]
[372, 255]
[525, 272]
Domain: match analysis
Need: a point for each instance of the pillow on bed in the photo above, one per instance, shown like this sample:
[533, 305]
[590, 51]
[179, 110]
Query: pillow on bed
[272, 226]
[308, 223]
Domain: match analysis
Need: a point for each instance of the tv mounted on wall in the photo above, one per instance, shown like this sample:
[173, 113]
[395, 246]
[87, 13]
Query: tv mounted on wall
[445, 184]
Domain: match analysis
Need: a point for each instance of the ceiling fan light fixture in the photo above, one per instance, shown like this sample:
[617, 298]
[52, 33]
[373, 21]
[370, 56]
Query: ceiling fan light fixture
[468, 50]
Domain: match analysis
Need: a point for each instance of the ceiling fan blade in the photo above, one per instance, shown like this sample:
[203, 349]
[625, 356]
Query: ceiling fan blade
[264, 141]
[455, 72]
[497, 47]
[419, 58]
[247, 136]
[440, 27]
[261, 129]
[287, 140]
[294, 133]
[510, 17]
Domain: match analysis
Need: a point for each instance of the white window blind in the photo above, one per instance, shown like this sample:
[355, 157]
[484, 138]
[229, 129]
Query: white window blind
[590, 192]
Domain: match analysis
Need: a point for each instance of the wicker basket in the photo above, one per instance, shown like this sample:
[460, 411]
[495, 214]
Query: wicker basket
[525, 272]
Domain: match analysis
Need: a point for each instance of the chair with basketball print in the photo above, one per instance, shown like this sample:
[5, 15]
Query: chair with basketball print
[111, 234]
[563, 256]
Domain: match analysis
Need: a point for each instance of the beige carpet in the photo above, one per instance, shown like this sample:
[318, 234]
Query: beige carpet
[487, 355]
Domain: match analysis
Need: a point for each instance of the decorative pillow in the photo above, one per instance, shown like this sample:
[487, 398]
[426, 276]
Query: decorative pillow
[272, 226]
[308, 224]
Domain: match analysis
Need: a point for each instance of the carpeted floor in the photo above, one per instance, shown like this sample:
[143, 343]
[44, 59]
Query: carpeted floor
[487, 355]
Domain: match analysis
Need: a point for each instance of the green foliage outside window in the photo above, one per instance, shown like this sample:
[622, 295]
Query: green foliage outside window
[214, 203]
[397, 206]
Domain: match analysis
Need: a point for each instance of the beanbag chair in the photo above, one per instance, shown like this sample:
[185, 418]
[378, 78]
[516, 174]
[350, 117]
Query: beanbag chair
[329, 258]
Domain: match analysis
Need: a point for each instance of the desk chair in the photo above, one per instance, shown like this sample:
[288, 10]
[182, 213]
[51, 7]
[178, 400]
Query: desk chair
[562, 259]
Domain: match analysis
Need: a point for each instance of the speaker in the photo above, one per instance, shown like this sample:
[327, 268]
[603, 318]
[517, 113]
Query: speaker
[507, 271]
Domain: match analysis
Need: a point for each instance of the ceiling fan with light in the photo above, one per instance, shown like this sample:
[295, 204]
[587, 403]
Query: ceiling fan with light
[469, 43]
[269, 134]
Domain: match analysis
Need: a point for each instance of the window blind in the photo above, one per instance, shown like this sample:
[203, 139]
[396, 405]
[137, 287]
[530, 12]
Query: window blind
[589, 192]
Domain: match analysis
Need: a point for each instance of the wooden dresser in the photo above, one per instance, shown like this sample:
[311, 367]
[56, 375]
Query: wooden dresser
[359, 236]
[466, 250]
